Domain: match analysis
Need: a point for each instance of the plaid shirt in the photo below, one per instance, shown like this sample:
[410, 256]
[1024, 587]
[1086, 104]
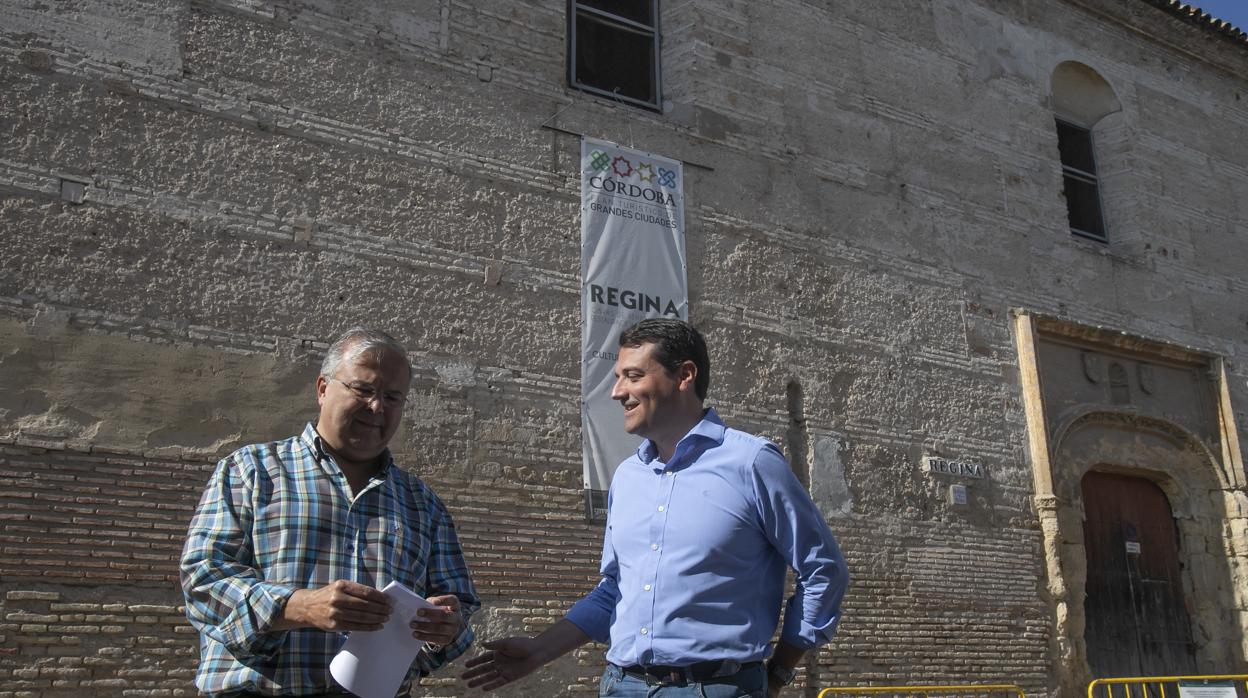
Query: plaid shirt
[280, 516]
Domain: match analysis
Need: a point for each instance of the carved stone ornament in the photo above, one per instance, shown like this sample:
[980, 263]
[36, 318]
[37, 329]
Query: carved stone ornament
[1148, 381]
[1093, 367]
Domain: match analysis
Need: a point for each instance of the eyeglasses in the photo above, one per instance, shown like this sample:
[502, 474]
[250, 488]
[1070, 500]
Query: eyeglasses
[367, 392]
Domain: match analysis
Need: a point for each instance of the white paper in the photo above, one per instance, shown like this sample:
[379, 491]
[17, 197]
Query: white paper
[374, 664]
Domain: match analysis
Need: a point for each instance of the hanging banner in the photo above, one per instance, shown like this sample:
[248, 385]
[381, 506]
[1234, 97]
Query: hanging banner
[632, 268]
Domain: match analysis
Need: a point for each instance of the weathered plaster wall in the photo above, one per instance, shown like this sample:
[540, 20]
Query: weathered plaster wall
[878, 186]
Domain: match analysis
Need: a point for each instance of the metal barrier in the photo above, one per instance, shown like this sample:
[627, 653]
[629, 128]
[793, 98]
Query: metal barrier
[1155, 686]
[941, 691]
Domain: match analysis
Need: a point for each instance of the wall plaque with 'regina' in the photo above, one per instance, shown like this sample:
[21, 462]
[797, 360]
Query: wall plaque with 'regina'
[944, 466]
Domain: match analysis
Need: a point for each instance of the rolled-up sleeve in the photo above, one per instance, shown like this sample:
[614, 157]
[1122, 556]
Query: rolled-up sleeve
[593, 613]
[227, 598]
[796, 528]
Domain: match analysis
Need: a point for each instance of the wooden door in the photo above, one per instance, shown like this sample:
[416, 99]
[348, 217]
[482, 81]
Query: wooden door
[1137, 623]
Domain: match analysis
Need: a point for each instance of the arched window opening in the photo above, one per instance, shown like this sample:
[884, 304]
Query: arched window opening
[1081, 99]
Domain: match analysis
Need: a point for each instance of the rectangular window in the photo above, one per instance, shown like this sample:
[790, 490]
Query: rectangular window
[613, 49]
[1080, 182]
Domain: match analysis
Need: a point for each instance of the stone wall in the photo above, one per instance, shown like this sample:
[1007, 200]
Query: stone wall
[196, 195]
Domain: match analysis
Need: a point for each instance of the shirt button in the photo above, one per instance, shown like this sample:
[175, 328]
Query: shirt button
[647, 587]
[660, 507]
[654, 546]
[668, 474]
[644, 631]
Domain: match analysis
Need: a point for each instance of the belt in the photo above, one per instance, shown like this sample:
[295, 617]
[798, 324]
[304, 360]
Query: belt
[701, 672]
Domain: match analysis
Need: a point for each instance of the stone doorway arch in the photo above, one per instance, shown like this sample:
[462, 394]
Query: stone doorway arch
[1097, 400]
[1186, 471]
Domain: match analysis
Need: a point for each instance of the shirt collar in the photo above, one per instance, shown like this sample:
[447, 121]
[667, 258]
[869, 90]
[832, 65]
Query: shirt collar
[710, 428]
[316, 446]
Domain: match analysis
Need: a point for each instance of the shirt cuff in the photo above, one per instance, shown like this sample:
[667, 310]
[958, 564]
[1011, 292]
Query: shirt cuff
[252, 633]
[431, 658]
[800, 633]
[586, 616]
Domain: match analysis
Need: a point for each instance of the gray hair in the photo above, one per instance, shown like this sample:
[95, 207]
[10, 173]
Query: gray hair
[357, 341]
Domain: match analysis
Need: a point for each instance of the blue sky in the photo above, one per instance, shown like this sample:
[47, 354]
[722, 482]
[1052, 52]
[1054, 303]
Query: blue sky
[1233, 11]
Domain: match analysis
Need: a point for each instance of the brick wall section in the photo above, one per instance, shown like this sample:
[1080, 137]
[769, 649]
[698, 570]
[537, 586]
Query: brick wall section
[90, 595]
[939, 601]
[88, 573]
[113, 525]
[106, 518]
[62, 643]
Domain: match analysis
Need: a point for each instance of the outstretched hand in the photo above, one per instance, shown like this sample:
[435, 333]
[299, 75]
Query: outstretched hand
[503, 661]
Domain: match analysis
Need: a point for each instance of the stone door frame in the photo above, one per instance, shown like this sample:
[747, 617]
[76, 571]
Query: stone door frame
[1190, 472]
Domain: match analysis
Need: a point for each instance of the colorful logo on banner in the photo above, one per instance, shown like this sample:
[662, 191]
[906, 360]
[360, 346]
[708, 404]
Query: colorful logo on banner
[624, 167]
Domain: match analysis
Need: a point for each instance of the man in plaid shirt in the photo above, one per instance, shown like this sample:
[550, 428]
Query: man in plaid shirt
[292, 540]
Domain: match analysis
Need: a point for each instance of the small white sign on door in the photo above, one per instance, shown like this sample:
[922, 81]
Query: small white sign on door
[1206, 689]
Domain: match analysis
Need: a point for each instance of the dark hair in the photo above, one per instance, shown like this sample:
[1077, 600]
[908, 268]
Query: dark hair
[675, 342]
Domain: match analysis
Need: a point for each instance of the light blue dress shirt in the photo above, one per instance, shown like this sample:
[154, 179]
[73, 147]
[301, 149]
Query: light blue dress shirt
[695, 551]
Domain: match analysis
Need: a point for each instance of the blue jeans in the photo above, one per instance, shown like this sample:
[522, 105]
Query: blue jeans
[747, 683]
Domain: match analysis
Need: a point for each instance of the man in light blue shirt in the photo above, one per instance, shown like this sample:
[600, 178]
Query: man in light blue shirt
[702, 522]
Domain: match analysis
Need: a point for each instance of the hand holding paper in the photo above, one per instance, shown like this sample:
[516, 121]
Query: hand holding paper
[374, 664]
[338, 606]
[440, 623]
